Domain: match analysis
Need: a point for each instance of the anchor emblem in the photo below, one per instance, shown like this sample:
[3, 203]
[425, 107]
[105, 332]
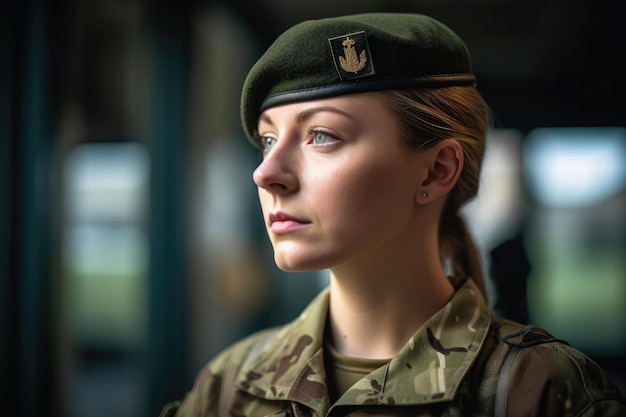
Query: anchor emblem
[350, 62]
[352, 56]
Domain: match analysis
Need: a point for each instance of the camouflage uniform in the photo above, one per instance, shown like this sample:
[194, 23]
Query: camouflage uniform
[450, 367]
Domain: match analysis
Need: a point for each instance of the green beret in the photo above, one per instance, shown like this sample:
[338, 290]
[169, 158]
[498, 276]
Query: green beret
[353, 54]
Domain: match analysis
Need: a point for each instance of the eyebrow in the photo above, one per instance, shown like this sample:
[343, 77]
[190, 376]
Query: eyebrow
[305, 114]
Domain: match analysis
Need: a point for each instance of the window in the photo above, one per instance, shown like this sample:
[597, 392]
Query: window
[105, 274]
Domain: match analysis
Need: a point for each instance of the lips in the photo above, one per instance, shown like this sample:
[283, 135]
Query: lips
[284, 223]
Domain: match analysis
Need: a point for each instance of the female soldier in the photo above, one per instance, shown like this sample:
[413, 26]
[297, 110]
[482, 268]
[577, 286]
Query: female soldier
[372, 134]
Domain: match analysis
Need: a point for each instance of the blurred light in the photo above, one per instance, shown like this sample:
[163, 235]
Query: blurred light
[576, 235]
[104, 181]
[105, 246]
[124, 248]
[494, 214]
[574, 167]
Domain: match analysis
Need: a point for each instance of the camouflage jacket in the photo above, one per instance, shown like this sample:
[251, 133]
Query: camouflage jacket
[450, 367]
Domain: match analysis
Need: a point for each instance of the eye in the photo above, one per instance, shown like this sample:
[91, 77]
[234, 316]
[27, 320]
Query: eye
[321, 138]
[267, 142]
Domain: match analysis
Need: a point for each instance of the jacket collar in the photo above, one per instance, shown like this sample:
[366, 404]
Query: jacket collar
[429, 368]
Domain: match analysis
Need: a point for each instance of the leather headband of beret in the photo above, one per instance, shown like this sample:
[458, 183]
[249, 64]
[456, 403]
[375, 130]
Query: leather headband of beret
[353, 54]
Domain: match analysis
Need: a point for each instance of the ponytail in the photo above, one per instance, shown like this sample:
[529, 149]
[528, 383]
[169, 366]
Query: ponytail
[458, 250]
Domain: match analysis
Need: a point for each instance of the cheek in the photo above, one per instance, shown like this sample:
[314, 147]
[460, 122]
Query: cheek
[374, 191]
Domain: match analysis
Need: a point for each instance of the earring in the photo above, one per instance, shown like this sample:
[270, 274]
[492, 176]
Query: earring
[424, 194]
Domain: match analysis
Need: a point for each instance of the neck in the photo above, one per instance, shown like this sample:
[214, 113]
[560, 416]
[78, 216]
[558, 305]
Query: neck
[378, 304]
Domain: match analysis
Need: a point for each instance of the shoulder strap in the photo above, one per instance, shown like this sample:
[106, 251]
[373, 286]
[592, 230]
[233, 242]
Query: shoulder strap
[227, 387]
[502, 387]
[528, 336]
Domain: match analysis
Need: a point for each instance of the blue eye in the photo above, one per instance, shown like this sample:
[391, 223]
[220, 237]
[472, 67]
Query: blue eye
[268, 142]
[321, 138]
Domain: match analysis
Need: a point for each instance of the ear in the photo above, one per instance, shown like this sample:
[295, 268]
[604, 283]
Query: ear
[445, 163]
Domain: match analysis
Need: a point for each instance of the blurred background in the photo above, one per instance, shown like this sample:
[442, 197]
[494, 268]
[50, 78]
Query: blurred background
[131, 243]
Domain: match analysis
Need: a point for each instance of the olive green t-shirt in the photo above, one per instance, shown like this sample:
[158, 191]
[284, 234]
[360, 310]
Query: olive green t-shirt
[342, 371]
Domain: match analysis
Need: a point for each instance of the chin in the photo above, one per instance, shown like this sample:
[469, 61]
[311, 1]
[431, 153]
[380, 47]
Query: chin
[295, 266]
[291, 263]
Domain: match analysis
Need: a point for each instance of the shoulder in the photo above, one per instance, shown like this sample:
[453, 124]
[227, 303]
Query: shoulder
[235, 355]
[564, 380]
[546, 376]
[207, 389]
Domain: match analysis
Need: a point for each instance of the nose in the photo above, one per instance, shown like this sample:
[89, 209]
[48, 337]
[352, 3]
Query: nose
[277, 172]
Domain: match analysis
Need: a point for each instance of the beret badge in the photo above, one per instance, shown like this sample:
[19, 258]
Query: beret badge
[352, 56]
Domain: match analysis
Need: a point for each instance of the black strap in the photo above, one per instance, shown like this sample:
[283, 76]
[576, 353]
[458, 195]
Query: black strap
[530, 335]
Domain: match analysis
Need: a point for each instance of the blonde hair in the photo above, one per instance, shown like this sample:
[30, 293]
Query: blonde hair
[428, 116]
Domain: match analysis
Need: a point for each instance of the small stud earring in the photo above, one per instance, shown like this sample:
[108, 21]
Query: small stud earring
[424, 194]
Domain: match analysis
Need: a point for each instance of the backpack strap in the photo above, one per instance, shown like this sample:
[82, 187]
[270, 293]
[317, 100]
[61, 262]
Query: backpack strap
[227, 387]
[528, 336]
[502, 387]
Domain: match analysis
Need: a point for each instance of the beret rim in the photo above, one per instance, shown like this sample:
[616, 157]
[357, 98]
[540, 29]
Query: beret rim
[432, 81]
[344, 88]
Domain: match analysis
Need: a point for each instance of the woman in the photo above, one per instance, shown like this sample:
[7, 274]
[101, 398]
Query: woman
[372, 135]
